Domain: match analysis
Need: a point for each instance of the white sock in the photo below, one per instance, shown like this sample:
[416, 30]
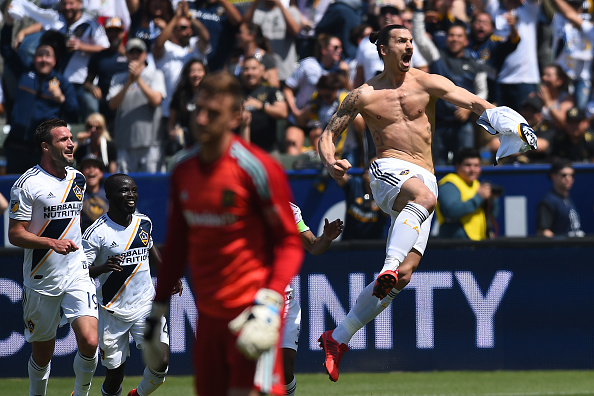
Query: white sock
[84, 368]
[118, 393]
[404, 230]
[390, 263]
[38, 377]
[291, 387]
[150, 381]
[366, 308]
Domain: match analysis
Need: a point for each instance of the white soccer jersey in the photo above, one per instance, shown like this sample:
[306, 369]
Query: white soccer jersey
[301, 227]
[52, 206]
[130, 292]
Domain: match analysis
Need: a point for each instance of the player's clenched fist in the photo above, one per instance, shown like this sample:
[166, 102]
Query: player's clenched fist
[340, 167]
[63, 246]
[259, 325]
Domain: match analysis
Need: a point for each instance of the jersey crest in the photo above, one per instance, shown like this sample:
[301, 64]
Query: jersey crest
[76, 191]
[142, 236]
[228, 198]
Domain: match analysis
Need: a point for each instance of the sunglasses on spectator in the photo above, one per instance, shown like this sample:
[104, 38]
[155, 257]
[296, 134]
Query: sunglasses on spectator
[336, 47]
[389, 10]
[183, 27]
[89, 126]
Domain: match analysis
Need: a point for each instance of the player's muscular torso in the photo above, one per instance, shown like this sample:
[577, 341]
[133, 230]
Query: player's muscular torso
[400, 118]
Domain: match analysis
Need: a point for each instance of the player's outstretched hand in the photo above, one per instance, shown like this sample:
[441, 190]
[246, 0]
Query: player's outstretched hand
[339, 169]
[334, 229]
[259, 325]
[153, 350]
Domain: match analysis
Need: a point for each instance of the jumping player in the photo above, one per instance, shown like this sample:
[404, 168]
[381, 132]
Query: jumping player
[398, 106]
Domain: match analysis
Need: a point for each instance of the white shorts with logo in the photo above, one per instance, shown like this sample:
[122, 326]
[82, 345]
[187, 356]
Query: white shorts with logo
[42, 313]
[387, 175]
[114, 337]
[292, 318]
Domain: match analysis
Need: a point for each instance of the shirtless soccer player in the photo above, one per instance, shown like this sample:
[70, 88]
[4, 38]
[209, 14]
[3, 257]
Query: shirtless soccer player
[398, 106]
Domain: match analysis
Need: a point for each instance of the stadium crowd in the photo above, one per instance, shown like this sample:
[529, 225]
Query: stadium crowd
[132, 71]
[125, 60]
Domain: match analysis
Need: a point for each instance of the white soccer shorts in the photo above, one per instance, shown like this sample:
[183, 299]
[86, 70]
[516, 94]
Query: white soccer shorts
[292, 325]
[114, 337]
[387, 175]
[42, 313]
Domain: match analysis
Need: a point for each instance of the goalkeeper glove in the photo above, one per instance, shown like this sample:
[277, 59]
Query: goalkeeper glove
[259, 325]
[153, 350]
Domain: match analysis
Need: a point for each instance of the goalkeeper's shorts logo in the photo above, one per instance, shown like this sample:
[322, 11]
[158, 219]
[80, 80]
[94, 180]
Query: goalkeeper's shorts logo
[30, 326]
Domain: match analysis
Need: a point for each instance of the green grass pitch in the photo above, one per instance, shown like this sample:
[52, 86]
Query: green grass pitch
[443, 383]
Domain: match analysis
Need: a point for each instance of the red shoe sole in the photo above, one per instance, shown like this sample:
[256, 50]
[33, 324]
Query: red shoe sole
[383, 285]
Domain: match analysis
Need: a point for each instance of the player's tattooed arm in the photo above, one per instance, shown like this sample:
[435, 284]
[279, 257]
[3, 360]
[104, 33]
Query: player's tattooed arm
[345, 115]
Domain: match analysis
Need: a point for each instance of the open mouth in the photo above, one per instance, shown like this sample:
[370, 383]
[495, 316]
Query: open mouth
[406, 59]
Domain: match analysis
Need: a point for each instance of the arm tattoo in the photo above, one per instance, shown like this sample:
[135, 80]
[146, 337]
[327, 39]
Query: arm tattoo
[345, 115]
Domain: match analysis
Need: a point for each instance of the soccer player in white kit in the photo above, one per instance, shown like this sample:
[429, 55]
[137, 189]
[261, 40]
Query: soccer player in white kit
[45, 206]
[118, 247]
[292, 315]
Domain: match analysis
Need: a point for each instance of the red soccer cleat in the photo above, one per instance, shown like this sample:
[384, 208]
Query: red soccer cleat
[385, 283]
[133, 392]
[334, 352]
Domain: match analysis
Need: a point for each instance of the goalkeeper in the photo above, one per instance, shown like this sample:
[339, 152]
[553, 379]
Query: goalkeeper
[230, 224]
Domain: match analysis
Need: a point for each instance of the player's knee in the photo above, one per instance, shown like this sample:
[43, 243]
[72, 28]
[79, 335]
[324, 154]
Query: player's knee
[87, 345]
[428, 200]
[162, 366]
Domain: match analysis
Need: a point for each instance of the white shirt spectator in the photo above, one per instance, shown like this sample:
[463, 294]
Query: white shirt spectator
[172, 63]
[575, 55]
[89, 32]
[521, 66]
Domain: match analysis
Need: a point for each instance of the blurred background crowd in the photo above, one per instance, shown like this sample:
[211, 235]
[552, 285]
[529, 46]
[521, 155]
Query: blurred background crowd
[123, 74]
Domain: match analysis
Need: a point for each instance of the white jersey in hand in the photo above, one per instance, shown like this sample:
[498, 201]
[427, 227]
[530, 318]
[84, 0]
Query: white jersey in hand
[129, 293]
[52, 207]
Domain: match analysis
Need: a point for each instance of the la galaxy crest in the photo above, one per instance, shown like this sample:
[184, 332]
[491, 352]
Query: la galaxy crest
[404, 172]
[14, 206]
[78, 192]
[144, 236]
[30, 326]
[228, 198]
